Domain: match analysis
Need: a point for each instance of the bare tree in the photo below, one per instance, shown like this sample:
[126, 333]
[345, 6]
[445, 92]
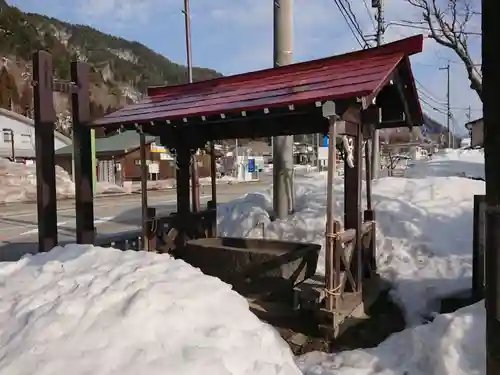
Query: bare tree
[448, 27]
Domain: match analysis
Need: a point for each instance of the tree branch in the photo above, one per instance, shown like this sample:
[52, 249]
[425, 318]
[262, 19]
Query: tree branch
[448, 28]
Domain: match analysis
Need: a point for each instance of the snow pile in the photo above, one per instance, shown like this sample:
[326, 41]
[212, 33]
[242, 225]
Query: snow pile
[453, 344]
[424, 231]
[88, 310]
[18, 182]
[171, 183]
[449, 162]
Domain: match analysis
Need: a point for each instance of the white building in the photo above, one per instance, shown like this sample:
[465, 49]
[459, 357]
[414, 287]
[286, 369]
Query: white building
[19, 131]
[475, 129]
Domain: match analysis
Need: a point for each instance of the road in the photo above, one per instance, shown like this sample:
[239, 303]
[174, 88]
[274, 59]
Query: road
[113, 214]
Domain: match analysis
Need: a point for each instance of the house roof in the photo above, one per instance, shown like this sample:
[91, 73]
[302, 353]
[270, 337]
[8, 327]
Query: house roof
[121, 143]
[30, 122]
[472, 123]
[361, 74]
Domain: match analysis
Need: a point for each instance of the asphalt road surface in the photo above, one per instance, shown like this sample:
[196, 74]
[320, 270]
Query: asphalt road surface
[113, 214]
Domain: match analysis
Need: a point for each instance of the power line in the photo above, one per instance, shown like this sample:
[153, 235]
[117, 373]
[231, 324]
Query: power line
[431, 98]
[409, 25]
[442, 111]
[351, 23]
[370, 16]
[428, 93]
[353, 18]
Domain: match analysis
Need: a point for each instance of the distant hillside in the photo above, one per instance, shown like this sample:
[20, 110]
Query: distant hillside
[121, 69]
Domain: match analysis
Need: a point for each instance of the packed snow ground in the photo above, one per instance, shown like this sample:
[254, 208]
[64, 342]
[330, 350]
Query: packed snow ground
[465, 163]
[424, 227]
[83, 310]
[89, 310]
[453, 344]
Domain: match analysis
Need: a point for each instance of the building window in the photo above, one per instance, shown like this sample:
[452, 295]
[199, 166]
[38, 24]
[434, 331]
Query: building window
[7, 136]
[138, 162]
[25, 138]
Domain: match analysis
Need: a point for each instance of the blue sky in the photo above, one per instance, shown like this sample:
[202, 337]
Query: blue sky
[234, 36]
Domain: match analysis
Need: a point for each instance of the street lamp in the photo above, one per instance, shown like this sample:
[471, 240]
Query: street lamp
[11, 133]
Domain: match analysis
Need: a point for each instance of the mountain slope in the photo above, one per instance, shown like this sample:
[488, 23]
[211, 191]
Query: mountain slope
[121, 69]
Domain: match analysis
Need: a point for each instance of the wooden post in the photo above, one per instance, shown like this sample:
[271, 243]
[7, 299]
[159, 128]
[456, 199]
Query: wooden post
[45, 118]
[182, 176]
[144, 191]
[213, 173]
[478, 242]
[370, 118]
[195, 183]
[152, 227]
[491, 114]
[352, 200]
[331, 276]
[82, 145]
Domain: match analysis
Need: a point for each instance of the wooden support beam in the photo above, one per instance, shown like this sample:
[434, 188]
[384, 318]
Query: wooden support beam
[213, 173]
[352, 201]
[144, 189]
[84, 194]
[183, 159]
[403, 93]
[152, 228]
[332, 266]
[45, 119]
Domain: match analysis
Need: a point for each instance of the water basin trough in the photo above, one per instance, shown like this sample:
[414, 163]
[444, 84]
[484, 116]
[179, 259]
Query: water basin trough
[254, 266]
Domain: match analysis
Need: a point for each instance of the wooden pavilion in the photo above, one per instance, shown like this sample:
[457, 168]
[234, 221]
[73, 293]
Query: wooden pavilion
[350, 94]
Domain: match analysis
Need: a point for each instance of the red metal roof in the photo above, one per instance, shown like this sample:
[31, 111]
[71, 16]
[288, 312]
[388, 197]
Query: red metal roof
[353, 75]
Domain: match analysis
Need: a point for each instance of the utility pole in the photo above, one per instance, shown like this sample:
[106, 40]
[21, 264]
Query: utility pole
[491, 116]
[469, 114]
[283, 145]
[378, 5]
[195, 196]
[448, 109]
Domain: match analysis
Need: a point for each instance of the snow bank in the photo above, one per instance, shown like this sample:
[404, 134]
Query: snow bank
[18, 182]
[448, 162]
[88, 310]
[424, 232]
[171, 183]
[453, 344]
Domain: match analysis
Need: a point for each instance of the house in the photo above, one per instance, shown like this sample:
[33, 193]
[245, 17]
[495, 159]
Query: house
[18, 137]
[118, 159]
[475, 129]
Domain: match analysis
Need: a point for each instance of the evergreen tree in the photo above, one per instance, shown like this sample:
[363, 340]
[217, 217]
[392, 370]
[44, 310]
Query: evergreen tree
[8, 90]
[26, 100]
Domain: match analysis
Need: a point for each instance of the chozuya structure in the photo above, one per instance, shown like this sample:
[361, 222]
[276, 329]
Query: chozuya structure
[346, 95]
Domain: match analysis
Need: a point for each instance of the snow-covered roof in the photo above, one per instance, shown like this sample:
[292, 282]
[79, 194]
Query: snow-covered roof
[473, 122]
